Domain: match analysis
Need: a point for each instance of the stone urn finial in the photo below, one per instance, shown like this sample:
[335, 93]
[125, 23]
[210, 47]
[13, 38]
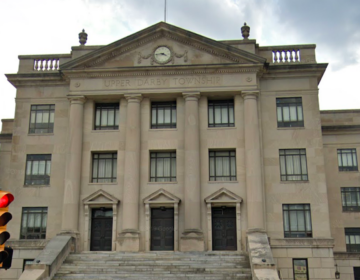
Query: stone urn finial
[245, 31]
[82, 37]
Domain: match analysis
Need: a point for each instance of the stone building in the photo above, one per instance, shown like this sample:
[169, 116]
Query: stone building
[168, 140]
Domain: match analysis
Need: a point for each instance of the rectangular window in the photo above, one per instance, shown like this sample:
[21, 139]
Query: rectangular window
[289, 112]
[350, 198]
[347, 160]
[293, 165]
[104, 167]
[163, 114]
[163, 167]
[221, 113]
[42, 119]
[300, 267]
[297, 220]
[222, 165]
[352, 237]
[106, 116]
[33, 223]
[38, 169]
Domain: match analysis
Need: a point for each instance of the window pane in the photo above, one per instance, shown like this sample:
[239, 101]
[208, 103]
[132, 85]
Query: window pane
[279, 114]
[286, 114]
[224, 115]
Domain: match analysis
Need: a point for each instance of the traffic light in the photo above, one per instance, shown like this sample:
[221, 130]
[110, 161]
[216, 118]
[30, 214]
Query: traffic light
[5, 252]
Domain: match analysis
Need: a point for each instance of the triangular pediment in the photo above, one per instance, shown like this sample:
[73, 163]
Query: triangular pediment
[100, 197]
[161, 196]
[223, 196]
[185, 48]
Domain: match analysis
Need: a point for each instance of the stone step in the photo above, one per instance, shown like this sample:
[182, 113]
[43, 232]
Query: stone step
[87, 270]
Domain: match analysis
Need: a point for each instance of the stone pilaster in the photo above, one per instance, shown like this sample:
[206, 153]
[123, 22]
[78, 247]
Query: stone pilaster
[70, 213]
[254, 187]
[192, 238]
[129, 237]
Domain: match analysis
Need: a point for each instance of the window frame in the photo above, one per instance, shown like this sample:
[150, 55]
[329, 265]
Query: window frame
[292, 176]
[35, 108]
[341, 153]
[288, 102]
[154, 156]
[307, 268]
[99, 107]
[227, 104]
[352, 247]
[231, 155]
[354, 193]
[96, 156]
[25, 261]
[155, 106]
[43, 229]
[307, 233]
[37, 158]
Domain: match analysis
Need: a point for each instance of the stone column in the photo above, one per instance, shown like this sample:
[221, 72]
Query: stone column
[70, 213]
[192, 238]
[254, 189]
[129, 237]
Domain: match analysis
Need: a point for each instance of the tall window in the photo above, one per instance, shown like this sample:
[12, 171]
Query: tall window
[163, 114]
[352, 237]
[297, 220]
[222, 165]
[293, 165]
[289, 112]
[104, 167]
[221, 113]
[347, 160]
[162, 166]
[107, 116]
[38, 169]
[33, 223]
[350, 198]
[300, 267]
[42, 119]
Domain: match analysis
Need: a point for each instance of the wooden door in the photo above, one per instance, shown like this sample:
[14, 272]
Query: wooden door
[224, 228]
[101, 229]
[162, 229]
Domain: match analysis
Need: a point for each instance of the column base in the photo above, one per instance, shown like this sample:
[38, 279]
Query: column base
[74, 234]
[128, 241]
[192, 240]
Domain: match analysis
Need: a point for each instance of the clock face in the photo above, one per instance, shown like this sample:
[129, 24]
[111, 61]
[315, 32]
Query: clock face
[162, 55]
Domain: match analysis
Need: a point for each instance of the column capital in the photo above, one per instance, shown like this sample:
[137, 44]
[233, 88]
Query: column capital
[250, 94]
[137, 97]
[79, 99]
[191, 95]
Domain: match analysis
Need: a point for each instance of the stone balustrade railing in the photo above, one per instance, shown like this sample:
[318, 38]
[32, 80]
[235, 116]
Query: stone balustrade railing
[289, 54]
[42, 63]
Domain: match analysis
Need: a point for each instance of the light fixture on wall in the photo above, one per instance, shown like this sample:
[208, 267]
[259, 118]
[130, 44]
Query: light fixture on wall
[337, 273]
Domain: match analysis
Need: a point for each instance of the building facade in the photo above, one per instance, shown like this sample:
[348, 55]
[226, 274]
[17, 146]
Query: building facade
[168, 140]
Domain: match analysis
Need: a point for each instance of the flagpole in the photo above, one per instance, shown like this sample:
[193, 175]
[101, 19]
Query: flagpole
[165, 12]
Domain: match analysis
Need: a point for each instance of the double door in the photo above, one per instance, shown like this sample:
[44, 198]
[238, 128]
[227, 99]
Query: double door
[101, 229]
[224, 228]
[162, 229]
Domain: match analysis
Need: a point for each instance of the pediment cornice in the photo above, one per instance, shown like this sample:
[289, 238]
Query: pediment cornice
[156, 32]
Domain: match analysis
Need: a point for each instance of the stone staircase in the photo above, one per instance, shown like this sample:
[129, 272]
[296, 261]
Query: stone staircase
[155, 265]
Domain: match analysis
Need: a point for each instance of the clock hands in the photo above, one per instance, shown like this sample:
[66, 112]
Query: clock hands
[162, 54]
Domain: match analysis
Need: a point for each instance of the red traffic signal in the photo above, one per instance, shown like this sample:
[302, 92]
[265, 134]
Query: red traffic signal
[5, 252]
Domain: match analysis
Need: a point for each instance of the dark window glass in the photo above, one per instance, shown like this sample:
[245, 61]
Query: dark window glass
[352, 238]
[106, 116]
[222, 165]
[347, 160]
[42, 119]
[350, 198]
[33, 223]
[38, 169]
[293, 165]
[221, 113]
[297, 220]
[300, 267]
[27, 261]
[356, 273]
[289, 112]
[163, 114]
[104, 168]
[162, 166]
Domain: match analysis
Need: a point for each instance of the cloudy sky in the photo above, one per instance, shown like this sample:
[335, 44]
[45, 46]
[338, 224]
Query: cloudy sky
[52, 26]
